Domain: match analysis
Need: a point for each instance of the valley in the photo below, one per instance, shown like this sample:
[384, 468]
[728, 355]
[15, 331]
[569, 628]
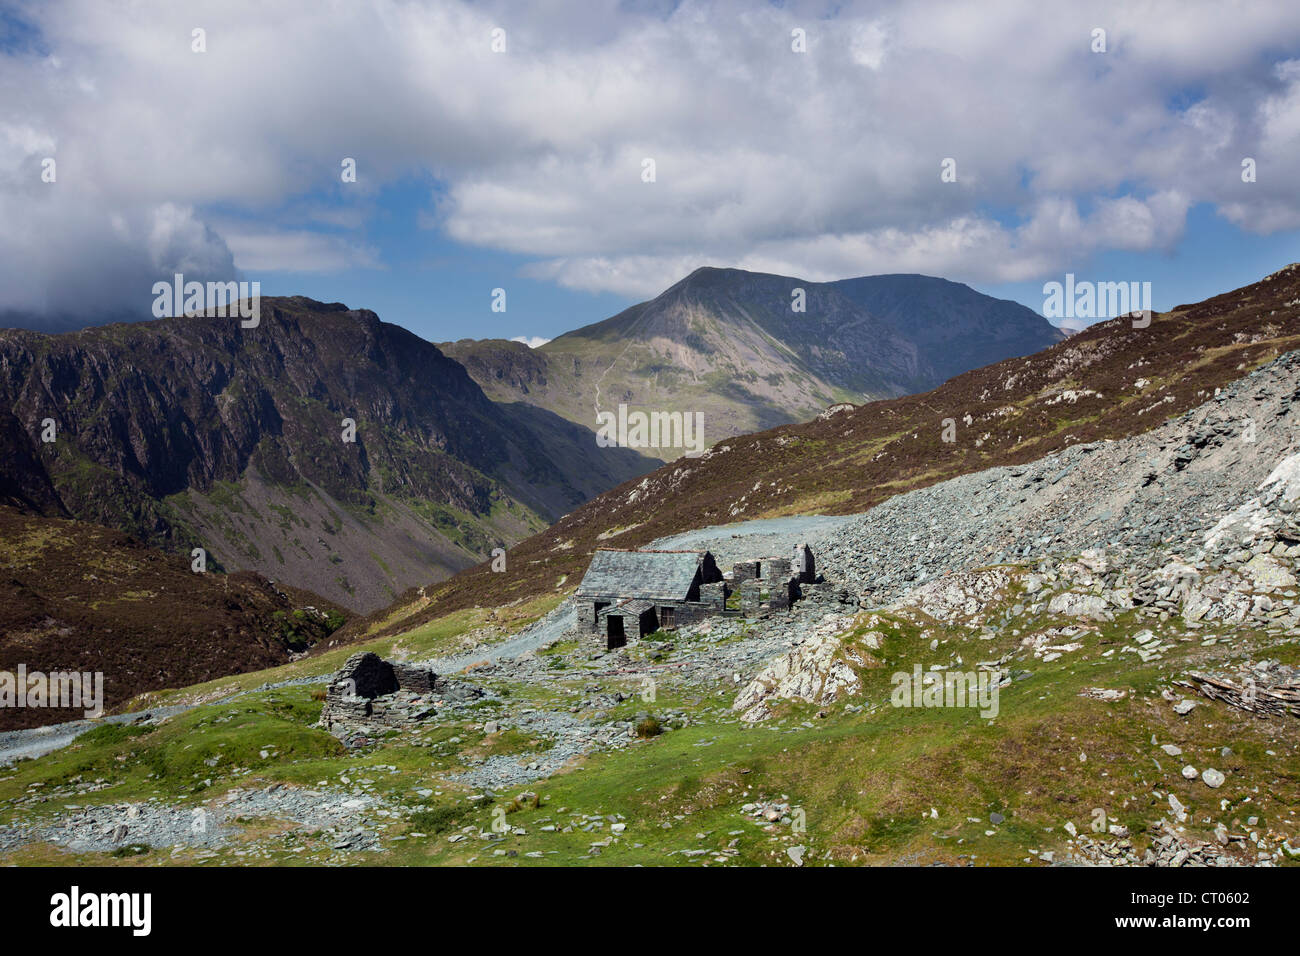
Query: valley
[196, 432]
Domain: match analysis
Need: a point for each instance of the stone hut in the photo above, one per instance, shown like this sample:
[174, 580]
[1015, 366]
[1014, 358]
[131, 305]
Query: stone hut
[368, 691]
[627, 594]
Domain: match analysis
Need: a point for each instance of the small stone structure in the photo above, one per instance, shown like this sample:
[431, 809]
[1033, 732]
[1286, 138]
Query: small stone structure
[772, 584]
[627, 594]
[805, 567]
[369, 693]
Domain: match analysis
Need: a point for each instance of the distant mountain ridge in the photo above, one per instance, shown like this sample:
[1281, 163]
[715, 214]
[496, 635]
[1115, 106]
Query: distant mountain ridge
[955, 328]
[732, 345]
[194, 432]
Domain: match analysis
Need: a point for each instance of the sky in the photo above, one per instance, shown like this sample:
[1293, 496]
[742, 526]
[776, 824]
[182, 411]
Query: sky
[506, 146]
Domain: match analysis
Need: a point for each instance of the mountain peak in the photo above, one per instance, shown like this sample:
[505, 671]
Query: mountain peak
[738, 348]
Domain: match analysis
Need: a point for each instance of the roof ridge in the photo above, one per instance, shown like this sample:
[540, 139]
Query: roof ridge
[654, 550]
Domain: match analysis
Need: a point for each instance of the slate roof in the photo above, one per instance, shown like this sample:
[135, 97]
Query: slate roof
[647, 575]
[627, 609]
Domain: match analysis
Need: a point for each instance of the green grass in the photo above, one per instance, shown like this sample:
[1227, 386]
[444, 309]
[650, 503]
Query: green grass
[868, 783]
[265, 733]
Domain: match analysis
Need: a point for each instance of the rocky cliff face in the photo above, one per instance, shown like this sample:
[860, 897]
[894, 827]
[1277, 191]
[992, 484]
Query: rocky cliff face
[323, 447]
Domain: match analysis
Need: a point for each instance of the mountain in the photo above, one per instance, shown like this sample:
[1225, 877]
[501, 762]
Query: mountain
[953, 327]
[75, 596]
[1108, 381]
[196, 432]
[728, 344]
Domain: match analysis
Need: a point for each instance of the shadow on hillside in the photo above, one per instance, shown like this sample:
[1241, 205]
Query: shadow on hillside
[588, 467]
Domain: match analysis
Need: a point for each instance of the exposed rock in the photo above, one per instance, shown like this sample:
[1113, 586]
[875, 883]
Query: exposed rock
[1268, 687]
[815, 671]
[960, 595]
[1090, 606]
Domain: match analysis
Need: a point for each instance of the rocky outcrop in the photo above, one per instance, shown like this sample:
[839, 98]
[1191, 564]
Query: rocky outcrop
[1090, 606]
[1266, 688]
[816, 671]
[961, 595]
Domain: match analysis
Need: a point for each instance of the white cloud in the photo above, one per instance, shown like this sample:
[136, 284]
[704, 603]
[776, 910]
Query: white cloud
[299, 251]
[821, 164]
[967, 248]
[532, 341]
[867, 44]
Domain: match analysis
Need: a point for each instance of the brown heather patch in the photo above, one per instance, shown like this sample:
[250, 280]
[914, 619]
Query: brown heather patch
[76, 596]
[1186, 354]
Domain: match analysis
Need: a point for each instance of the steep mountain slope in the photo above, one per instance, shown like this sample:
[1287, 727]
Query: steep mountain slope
[75, 596]
[195, 432]
[728, 344]
[954, 327]
[1108, 381]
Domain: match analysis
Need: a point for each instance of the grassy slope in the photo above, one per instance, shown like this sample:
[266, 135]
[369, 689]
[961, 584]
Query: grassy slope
[866, 781]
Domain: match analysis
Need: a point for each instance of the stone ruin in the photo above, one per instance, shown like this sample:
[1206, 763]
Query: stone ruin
[369, 694]
[773, 584]
[630, 594]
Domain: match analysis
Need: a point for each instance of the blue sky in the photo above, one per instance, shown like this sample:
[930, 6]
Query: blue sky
[503, 146]
[439, 288]
[442, 290]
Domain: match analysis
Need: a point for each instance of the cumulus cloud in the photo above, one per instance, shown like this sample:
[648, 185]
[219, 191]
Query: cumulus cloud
[822, 164]
[532, 341]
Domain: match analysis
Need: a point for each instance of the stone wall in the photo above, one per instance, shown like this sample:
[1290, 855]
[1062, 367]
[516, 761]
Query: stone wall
[714, 596]
[804, 564]
[776, 570]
